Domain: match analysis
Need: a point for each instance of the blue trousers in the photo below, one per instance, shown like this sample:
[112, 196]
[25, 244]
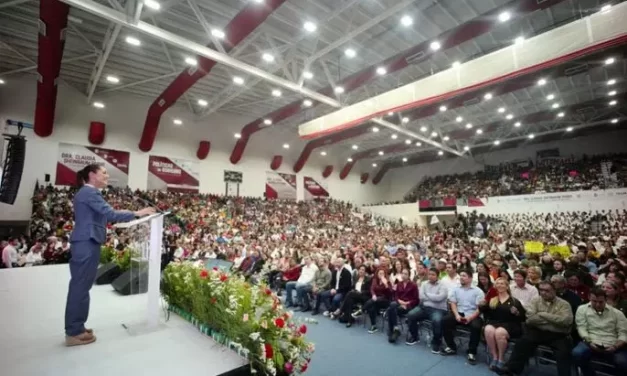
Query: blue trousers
[83, 268]
[583, 354]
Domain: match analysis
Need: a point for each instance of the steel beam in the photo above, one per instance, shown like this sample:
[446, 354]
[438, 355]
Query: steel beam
[108, 44]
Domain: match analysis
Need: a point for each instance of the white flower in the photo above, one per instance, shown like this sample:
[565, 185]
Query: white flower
[254, 336]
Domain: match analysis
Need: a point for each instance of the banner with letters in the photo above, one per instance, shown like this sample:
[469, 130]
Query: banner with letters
[172, 174]
[314, 189]
[559, 197]
[280, 186]
[73, 158]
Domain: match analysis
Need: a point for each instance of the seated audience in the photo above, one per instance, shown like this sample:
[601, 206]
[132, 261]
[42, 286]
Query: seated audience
[381, 294]
[307, 274]
[433, 307]
[521, 289]
[405, 299]
[613, 296]
[359, 294]
[341, 281]
[321, 282]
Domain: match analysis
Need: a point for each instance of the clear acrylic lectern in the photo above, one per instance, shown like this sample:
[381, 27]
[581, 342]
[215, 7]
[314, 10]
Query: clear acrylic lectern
[145, 235]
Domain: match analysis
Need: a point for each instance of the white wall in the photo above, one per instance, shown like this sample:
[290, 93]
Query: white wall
[402, 180]
[409, 213]
[124, 117]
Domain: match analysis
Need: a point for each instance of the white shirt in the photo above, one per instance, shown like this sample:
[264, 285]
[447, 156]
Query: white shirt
[9, 256]
[307, 274]
[34, 258]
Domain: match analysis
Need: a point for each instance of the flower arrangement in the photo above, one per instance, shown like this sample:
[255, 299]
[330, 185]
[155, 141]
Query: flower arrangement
[107, 254]
[249, 316]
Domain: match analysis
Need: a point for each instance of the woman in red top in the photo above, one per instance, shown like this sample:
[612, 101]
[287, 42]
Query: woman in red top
[405, 299]
[381, 295]
[485, 284]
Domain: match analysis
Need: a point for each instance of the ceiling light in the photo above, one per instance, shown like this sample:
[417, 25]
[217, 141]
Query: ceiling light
[307, 103]
[238, 80]
[434, 134]
[323, 153]
[423, 129]
[517, 124]
[614, 121]
[569, 129]
[113, 79]
[435, 45]
[178, 122]
[609, 61]
[468, 125]
[611, 82]
[258, 1]
[355, 147]
[408, 142]
[488, 96]
[394, 137]
[440, 152]
[267, 121]
[479, 131]
[532, 136]
[350, 53]
[374, 165]
[446, 138]
[606, 8]
[405, 120]
[276, 93]
[152, 4]
[555, 105]
[2, 82]
[612, 93]
[542, 82]
[217, 33]
[99, 105]
[237, 135]
[459, 119]
[375, 129]
[509, 116]
[133, 41]
[612, 103]
[550, 97]
[501, 110]
[381, 153]
[404, 159]
[286, 146]
[418, 143]
[407, 20]
[339, 90]
[381, 71]
[442, 108]
[497, 142]
[505, 16]
[519, 40]
[310, 26]
[202, 102]
[267, 57]
[561, 114]
[308, 75]
[191, 61]
[466, 148]
[456, 64]
[390, 113]
[350, 159]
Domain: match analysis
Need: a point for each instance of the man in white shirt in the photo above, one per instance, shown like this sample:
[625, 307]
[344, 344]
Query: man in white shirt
[9, 253]
[451, 279]
[307, 274]
[521, 290]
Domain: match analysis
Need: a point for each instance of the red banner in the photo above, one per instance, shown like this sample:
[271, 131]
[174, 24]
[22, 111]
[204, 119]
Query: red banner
[314, 189]
[73, 158]
[280, 186]
[172, 174]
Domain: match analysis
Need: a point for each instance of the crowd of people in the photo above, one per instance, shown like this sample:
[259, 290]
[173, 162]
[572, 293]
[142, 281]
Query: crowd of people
[474, 274]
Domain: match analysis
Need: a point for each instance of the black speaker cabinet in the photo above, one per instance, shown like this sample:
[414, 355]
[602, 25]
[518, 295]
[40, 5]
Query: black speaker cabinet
[13, 167]
[135, 282]
[107, 273]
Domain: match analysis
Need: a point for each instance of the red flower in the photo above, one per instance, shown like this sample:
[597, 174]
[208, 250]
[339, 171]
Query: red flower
[215, 268]
[223, 277]
[280, 323]
[213, 300]
[303, 329]
[204, 274]
[269, 350]
[303, 368]
[268, 292]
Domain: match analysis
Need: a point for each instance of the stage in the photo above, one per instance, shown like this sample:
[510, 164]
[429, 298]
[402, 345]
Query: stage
[32, 305]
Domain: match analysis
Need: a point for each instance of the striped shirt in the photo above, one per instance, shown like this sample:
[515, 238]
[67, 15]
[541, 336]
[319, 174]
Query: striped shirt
[525, 294]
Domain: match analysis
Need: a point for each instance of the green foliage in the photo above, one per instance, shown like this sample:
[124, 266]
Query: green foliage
[107, 254]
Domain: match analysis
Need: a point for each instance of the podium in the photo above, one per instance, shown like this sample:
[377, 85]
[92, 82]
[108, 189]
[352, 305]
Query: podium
[144, 274]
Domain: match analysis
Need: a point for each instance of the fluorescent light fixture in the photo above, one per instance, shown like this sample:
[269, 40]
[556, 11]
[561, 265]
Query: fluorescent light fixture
[446, 138]
[468, 125]
[218, 33]
[350, 159]
[423, 129]
[355, 147]
[509, 116]
[238, 80]
[435, 45]
[202, 102]
[237, 135]
[375, 129]
[532, 136]
[517, 124]
[407, 21]
[611, 82]
[542, 82]
[113, 79]
[350, 53]
[2, 82]
[323, 153]
[286, 146]
[307, 75]
[479, 131]
[381, 153]
[442, 108]
[276, 93]
[267, 57]
[434, 134]
[501, 110]
[267, 121]
[612, 93]
[133, 41]
[191, 61]
[609, 61]
[99, 105]
[613, 103]
[374, 165]
[381, 71]
[338, 90]
[505, 16]
[405, 120]
[569, 129]
[614, 121]
[561, 114]
[466, 148]
[152, 4]
[459, 119]
[177, 122]
[440, 152]
[418, 143]
[307, 103]
[408, 142]
[394, 136]
[550, 97]
[488, 96]
[497, 142]
[310, 26]
[555, 105]
[404, 159]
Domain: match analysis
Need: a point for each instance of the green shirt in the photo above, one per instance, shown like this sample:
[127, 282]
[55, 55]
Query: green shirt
[555, 316]
[604, 329]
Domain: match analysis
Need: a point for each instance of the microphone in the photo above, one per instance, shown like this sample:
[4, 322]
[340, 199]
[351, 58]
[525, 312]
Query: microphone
[135, 198]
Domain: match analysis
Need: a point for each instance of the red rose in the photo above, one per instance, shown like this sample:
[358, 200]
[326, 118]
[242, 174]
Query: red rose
[303, 329]
[280, 323]
[268, 292]
[269, 350]
[223, 277]
[204, 274]
[303, 368]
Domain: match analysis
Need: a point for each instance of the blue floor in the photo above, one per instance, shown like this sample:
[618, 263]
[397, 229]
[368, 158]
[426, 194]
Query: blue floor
[352, 351]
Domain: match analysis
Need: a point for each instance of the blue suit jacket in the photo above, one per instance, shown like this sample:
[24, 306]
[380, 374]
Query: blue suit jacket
[91, 214]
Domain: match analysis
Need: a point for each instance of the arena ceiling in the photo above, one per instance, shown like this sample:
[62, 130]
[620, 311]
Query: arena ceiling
[323, 45]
